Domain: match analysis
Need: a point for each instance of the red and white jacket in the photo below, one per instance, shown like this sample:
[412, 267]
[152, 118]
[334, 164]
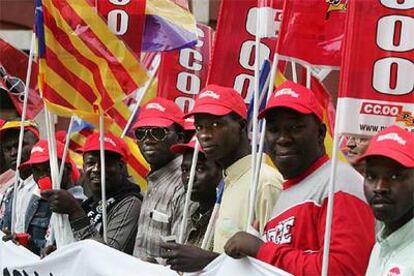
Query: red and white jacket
[295, 234]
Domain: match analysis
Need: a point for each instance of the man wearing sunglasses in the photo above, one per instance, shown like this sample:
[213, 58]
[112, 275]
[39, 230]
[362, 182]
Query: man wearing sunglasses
[159, 126]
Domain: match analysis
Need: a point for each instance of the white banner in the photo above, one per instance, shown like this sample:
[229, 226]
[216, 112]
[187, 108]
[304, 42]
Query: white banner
[89, 258]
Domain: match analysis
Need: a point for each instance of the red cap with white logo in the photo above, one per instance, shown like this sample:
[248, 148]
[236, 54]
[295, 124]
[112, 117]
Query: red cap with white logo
[159, 112]
[294, 96]
[111, 143]
[40, 154]
[182, 148]
[219, 101]
[394, 143]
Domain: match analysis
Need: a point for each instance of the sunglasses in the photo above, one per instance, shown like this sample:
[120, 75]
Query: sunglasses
[157, 133]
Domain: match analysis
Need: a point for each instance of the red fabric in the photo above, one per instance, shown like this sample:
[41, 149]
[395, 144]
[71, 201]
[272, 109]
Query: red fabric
[181, 148]
[131, 34]
[350, 247]
[111, 143]
[294, 96]
[218, 100]
[182, 74]
[312, 31]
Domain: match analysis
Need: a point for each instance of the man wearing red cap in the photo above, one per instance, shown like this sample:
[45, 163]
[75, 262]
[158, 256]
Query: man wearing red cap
[38, 213]
[294, 237]
[221, 126]
[9, 136]
[389, 189]
[123, 197]
[159, 126]
[207, 177]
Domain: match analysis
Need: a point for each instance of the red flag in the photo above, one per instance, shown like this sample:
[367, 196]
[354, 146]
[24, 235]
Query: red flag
[13, 70]
[312, 31]
[126, 20]
[234, 50]
[377, 74]
[183, 73]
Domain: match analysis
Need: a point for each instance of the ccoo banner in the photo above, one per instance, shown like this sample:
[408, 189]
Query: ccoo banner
[377, 76]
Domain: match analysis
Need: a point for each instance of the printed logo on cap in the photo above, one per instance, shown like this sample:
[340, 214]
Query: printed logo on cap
[110, 141]
[392, 136]
[156, 106]
[288, 92]
[395, 271]
[37, 149]
[210, 94]
[189, 120]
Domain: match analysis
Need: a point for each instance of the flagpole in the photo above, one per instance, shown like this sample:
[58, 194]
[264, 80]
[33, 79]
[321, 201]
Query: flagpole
[65, 150]
[252, 194]
[189, 191]
[21, 134]
[294, 72]
[138, 100]
[103, 175]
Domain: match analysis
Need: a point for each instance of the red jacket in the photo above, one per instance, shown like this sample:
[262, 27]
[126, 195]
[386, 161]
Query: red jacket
[295, 235]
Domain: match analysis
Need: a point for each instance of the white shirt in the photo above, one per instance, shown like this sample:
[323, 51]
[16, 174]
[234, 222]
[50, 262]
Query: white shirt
[393, 254]
[25, 191]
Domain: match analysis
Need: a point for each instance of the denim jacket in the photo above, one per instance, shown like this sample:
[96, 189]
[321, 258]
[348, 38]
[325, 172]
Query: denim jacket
[37, 219]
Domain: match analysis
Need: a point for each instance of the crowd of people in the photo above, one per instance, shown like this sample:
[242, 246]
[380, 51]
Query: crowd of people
[372, 224]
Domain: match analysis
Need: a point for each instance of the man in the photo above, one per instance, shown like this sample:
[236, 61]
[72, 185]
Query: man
[220, 120]
[159, 126]
[9, 136]
[38, 216]
[389, 189]
[294, 237]
[123, 199]
[355, 147]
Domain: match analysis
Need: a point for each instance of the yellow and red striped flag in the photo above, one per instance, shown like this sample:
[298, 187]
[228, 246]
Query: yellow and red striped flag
[84, 69]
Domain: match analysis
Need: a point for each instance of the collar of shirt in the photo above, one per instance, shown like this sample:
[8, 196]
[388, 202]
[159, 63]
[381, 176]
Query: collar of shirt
[237, 169]
[397, 238]
[314, 167]
[172, 166]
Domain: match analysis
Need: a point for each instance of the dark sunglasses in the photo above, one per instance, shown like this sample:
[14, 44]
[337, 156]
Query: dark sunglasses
[158, 133]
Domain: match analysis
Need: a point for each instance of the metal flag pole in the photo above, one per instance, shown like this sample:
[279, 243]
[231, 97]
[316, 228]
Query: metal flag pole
[21, 135]
[103, 175]
[181, 238]
[66, 150]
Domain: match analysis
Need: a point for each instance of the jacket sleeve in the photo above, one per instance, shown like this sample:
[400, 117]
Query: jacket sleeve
[352, 239]
[122, 223]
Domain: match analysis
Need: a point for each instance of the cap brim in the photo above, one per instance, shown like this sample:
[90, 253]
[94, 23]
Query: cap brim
[38, 160]
[180, 148]
[153, 122]
[397, 156]
[216, 110]
[297, 107]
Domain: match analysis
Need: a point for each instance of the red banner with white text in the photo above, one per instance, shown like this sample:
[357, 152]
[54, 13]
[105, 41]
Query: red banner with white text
[182, 74]
[126, 19]
[312, 31]
[234, 48]
[377, 75]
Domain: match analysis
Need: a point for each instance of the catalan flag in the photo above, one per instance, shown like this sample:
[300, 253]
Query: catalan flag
[84, 69]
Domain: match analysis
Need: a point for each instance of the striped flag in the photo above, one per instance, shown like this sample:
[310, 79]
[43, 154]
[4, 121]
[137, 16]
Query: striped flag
[84, 69]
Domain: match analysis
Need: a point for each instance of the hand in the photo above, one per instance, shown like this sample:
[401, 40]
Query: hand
[62, 202]
[47, 250]
[149, 260]
[242, 244]
[9, 236]
[186, 258]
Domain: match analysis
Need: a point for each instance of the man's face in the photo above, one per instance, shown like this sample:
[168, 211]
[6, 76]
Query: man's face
[114, 167]
[42, 170]
[355, 147]
[389, 189]
[295, 140]
[156, 143]
[206, 178]
[10, 143]
[219, 136]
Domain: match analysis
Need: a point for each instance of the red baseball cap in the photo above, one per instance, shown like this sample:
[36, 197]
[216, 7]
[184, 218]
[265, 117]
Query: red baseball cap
[182, 148]
[394, 143]
[219, 101]
[29, 125]
[189, 124]
[111, 143]
[294, 96]
[40, 154]
[159, 112]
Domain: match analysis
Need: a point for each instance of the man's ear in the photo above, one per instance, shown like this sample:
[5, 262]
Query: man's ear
[243, 124]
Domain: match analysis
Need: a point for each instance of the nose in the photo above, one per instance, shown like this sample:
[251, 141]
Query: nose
[13, 151]
[351, 143]
[284, 138]
[96, 167]
[381, 186]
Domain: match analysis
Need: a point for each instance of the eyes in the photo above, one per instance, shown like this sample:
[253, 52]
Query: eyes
[213, 125]
[373, 177]
[199, 169]
[294, 128]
